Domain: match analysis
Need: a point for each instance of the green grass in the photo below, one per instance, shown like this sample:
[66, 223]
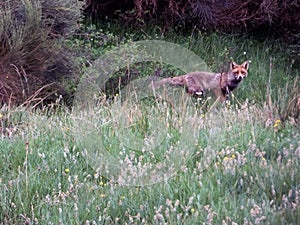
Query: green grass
[270, 65]
[214, 165]
[236, 169]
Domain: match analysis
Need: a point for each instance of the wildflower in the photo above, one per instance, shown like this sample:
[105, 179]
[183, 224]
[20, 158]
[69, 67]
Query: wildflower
[1, 115]
[67, 170]
[122, 197]
[117, 94]
[277, 122]
[227, 102]
[169, 202]
[102, 195]
[96, 175]
[225, 158]
[263, 159]
[101, 183]
[233, 156]
[192, 210]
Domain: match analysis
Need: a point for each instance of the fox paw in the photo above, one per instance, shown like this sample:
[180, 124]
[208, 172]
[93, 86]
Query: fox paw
[198, 93]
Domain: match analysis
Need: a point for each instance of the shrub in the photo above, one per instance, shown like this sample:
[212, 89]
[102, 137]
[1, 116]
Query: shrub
[32, 58]
[264, 18]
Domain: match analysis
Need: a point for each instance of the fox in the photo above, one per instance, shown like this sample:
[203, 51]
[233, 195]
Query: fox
[222, 84]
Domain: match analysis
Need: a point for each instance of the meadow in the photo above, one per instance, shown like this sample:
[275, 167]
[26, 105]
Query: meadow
[155, 162]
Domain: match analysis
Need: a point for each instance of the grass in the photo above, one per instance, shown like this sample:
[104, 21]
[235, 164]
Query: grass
[149, 162]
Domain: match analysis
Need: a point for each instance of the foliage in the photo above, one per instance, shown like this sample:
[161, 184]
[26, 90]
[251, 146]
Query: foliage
[262, 19]
[239, 164]
[269, 65]
[282, 16]
[241, 170]
[32, 59]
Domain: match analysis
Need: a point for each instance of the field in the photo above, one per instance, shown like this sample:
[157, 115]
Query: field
[160, 160]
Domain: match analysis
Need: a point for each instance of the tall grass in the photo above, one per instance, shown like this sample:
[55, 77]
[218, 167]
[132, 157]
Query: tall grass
[238, 169]
[150, 162]
[270, 63]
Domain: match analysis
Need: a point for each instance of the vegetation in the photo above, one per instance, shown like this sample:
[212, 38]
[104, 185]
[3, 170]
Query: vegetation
[33, 60]
[240, 164]
[135, 160]
[263, 18]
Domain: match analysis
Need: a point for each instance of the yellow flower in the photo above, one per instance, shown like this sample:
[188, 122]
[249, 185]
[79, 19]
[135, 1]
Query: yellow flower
[102, 195]
[117, 94]
[277, 122]
[192, 210]
[64, 128]
[226, 158]
[67, 170]
[263, 159]
[101, 183]
[122, 197]
[233, 156]
[1, 115]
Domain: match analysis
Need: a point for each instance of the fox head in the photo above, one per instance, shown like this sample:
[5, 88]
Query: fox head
[239, 71]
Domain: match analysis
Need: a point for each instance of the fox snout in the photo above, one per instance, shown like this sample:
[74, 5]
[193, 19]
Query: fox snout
[239, 77]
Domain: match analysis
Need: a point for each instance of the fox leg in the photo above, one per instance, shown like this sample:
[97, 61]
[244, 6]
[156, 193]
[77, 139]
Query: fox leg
[194, 91]
[219, 94]
[225, 95]
[194, 88]
[227, 92]
[199, 94]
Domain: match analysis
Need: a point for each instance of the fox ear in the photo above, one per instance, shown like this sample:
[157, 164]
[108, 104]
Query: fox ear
[246, 65]
[232, 65]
